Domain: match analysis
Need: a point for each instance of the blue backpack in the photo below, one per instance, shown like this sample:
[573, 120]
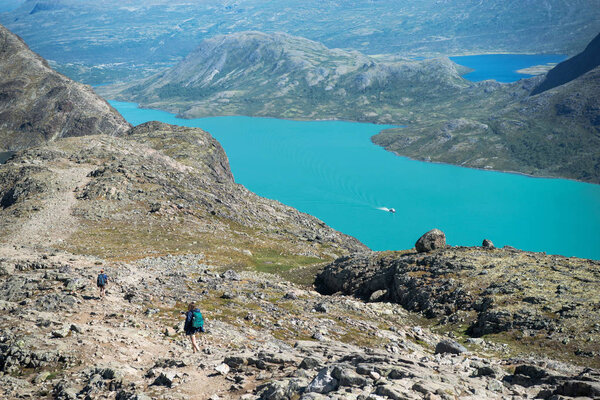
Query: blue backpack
[197, 320]
[102, 278]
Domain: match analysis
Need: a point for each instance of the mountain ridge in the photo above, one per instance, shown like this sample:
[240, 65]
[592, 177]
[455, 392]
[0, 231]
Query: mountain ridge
[552, 131]
[278, 75]
[38, 104]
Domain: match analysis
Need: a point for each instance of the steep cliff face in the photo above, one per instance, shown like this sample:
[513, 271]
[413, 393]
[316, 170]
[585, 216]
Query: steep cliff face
[572, 68]
[38, 104]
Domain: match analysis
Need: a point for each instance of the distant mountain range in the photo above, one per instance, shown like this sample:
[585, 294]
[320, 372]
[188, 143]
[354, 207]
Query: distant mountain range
[278, 75]
[448, 119]
[109, 40]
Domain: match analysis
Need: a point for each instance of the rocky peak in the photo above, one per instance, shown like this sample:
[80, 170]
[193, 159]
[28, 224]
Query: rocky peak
[38, 104]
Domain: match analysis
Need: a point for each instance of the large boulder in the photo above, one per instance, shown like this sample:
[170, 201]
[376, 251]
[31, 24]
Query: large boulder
[434, 239]
[449, 346]
[487, 244]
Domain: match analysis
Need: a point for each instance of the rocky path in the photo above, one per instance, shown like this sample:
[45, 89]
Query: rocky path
[54, 222]
[266, 339]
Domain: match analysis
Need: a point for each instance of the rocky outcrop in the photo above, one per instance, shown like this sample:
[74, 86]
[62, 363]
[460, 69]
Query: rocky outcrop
[38, 105]
[490, 291]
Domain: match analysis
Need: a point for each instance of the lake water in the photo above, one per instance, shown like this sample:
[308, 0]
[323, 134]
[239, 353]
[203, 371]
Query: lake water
[503, 67]
[331, 170]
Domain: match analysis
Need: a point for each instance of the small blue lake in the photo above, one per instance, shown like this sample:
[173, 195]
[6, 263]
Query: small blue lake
[330, 169]
[503, 67]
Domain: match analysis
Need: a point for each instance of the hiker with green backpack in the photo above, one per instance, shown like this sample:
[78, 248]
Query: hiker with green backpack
[194, 323]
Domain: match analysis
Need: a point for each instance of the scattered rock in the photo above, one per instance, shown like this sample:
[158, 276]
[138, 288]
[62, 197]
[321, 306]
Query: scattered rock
[486, 371]
[391, 392]
[278, 390]
[495, 386]
[348, 377]
[41, 377]
[576, 388]
[324, 382]
[165, 379]
[290, 296]
[235, 361]
[374, 375]
[170, 332]
[62, 332]
[532, 371]
[222, 369]
[309, 363]
[378, 295]
[231, 275]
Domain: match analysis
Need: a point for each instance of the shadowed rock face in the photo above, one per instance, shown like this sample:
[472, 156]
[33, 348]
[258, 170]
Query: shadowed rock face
[572, 68]
[38, 104]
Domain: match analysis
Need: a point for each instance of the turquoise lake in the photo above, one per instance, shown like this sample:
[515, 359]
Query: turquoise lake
[330, 169]
[503, 67]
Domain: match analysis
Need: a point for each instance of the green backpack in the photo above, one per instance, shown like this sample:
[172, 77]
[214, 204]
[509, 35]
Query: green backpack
[197, 319]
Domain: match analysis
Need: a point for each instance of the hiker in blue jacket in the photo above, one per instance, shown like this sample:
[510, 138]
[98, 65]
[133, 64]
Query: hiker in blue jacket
[194, 323]
[102, 282]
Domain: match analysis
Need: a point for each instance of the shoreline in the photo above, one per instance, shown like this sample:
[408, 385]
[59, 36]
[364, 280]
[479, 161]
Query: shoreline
[371, 140]
[178, 116]
[489, 169]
